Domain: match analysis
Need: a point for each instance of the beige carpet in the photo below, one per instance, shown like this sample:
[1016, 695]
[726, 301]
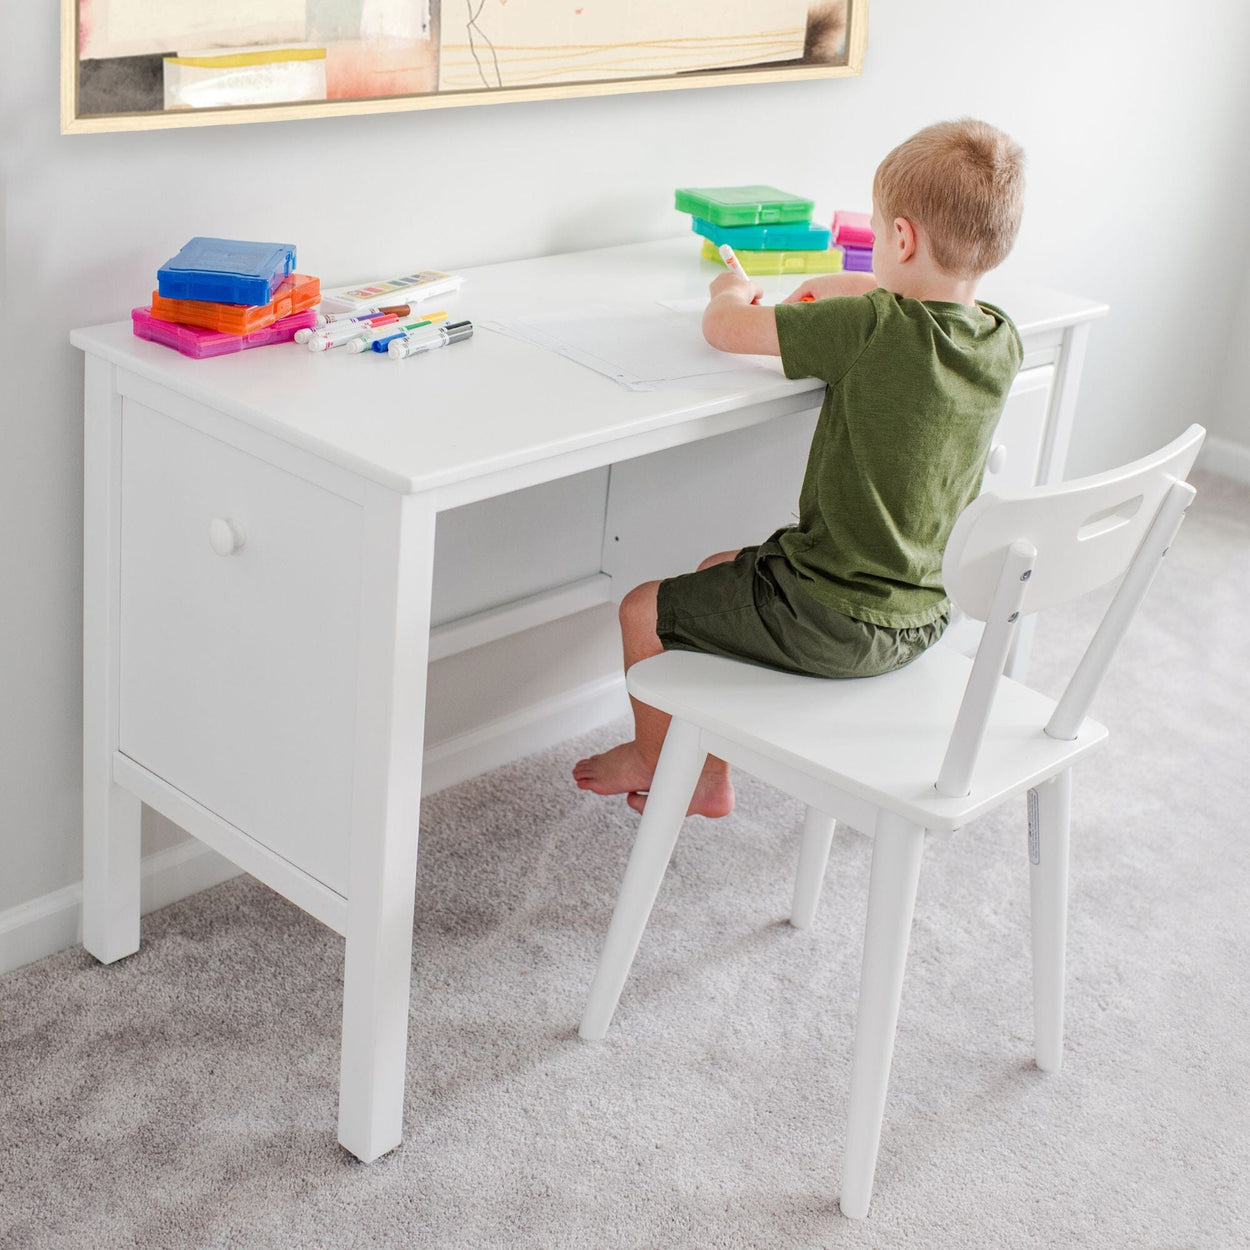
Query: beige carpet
[186, 1097]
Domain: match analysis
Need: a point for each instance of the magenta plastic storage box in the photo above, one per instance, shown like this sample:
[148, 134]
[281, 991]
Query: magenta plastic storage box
[197, 342]
[852, 229]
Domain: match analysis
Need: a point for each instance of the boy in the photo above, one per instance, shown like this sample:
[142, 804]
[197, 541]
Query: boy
[917, 373]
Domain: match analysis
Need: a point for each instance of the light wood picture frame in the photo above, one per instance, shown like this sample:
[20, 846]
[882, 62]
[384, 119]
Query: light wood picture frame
[155, 64]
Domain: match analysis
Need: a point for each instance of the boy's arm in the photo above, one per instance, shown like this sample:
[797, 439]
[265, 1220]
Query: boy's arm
[733, 323]
[827, 285]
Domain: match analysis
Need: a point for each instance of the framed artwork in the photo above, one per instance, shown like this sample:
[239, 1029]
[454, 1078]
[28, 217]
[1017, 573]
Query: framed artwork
[146, 64]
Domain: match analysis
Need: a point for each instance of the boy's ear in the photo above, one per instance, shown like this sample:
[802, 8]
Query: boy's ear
[903, 239]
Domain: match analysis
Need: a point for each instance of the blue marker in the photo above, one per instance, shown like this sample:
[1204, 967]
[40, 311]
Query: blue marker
[412, 327]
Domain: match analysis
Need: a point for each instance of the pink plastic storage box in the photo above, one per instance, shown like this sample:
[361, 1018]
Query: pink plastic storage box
[197, 342]
[852, 229]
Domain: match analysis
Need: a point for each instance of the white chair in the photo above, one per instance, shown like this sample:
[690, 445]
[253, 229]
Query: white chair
[930, 746]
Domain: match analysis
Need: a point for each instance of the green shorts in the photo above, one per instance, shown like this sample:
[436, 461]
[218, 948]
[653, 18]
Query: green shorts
[754, 608]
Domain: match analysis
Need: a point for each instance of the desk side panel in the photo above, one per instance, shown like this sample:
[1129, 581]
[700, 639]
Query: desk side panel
[237, 669]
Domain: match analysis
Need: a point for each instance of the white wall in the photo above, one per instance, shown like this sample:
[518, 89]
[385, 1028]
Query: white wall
[1135, 118]
[1231, 417]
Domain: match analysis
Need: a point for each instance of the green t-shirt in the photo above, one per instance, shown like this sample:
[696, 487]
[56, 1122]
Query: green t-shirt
[914, 392]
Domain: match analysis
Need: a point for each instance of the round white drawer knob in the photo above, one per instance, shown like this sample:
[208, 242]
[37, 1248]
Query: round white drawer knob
[225, 536]
[998, 458]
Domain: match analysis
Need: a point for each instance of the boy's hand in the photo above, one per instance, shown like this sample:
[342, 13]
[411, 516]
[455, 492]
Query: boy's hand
[729, 283]
[732, 323]
[827, 285]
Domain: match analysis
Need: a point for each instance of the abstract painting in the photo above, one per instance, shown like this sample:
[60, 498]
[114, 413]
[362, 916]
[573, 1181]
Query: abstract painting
[130, 64]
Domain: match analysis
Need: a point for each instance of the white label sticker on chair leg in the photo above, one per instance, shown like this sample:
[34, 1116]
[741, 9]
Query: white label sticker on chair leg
[1035, 841]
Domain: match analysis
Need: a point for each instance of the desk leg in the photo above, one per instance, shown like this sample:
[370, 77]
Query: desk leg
[110, 872]
[397, 572]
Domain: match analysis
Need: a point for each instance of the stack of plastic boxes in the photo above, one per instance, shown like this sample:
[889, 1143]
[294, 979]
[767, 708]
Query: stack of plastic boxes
[225, 295]
[770, 231]
[852, 232]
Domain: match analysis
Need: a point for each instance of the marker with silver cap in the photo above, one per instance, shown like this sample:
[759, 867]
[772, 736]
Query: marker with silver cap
[427, 339]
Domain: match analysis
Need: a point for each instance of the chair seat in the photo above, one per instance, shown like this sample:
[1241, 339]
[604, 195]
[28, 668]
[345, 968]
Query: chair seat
[880, 739]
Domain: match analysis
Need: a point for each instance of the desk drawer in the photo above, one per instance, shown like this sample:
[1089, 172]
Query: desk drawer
[238, 666]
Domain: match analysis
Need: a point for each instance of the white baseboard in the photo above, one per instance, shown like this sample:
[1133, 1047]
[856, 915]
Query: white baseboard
[1225, 457]
[53, 922]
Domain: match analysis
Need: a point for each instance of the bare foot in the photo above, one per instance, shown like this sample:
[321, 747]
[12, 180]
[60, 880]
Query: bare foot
[621, 770]
[713, 793]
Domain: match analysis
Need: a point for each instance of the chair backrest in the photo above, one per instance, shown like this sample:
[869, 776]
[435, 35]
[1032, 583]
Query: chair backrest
[1013, 554]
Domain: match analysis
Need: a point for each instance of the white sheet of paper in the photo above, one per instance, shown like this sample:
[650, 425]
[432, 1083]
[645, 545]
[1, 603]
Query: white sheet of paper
[638, 345]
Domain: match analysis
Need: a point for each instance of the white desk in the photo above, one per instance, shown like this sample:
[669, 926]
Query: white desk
[271, 700]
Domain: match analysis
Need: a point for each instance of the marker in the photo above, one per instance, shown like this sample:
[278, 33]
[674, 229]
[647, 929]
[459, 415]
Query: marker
[332, 320]
[380, 342]
[344, 332]
[422, 341]
[341, 331]
[359, 314]
[731, 261]
[387, 330]
[378, 339]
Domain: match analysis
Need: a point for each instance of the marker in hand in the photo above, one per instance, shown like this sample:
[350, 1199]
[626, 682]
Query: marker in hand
[732, 262]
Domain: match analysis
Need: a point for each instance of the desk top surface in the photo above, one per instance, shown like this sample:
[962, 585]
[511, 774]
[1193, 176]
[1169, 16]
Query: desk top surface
[493, 403]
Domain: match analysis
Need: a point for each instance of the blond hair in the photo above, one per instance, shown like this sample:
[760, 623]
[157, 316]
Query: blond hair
[962, 183]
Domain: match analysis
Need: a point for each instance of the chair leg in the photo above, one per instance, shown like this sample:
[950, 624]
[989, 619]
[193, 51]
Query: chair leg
[1049, 807]
[680, 763]
[813, 857]
[896, 853]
